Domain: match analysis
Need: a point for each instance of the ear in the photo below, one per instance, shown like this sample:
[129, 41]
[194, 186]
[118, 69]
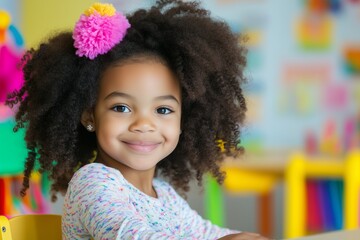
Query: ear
[87, 120]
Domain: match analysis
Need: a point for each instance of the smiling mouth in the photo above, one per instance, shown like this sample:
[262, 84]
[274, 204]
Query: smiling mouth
[142, 147]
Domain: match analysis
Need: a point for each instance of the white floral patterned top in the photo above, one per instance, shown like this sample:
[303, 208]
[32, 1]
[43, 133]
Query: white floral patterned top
[101, 204]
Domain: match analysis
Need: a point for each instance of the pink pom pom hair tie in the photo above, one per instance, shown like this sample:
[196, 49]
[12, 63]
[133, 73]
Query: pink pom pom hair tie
[98, 30]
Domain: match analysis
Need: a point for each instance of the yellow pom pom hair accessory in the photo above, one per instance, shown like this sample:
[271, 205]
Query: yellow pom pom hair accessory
[103, 9]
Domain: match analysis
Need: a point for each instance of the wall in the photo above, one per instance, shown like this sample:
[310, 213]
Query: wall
[43, 17]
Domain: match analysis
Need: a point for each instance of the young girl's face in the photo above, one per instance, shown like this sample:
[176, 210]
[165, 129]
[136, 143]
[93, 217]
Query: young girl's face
[137, 115]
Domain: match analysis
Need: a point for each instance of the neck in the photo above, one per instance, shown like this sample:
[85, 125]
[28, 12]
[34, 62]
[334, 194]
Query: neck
[142, 180]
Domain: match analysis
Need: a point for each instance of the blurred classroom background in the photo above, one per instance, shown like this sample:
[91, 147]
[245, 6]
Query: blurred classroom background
[303, 95]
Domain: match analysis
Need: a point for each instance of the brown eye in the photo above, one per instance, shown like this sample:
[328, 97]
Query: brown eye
[164, 110]
[121, 108]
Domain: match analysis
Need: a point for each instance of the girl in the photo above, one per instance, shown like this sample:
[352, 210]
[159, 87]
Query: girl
[121, 100]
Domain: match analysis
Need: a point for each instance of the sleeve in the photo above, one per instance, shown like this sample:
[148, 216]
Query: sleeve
[200, 228]
[105, 210]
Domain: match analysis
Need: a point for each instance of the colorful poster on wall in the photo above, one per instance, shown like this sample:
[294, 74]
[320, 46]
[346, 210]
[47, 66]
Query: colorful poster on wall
[302, 87]
[351, 60]
[314, 31]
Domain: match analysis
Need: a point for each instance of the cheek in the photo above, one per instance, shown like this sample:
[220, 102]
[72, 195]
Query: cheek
[108, 129]
[172, 132]
[104, 136]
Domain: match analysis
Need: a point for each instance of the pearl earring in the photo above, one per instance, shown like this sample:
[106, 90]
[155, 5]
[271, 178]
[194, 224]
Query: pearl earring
[90, 128]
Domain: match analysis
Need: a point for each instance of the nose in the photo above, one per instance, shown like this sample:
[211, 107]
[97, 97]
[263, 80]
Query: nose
[142, 124]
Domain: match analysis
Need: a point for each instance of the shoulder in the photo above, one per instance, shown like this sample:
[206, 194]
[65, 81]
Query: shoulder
[96, 171]
[95, 176]
[167, 191]
[164, 186]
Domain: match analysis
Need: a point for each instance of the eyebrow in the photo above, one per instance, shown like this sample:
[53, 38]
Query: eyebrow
[121, 94]
[118, 94]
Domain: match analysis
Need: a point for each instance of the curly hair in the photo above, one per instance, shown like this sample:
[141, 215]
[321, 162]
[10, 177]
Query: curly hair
[203, 53]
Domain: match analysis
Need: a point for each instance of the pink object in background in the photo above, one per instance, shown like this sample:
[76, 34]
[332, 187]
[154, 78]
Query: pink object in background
[311, 147]
[11, 77]
[336, 97]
